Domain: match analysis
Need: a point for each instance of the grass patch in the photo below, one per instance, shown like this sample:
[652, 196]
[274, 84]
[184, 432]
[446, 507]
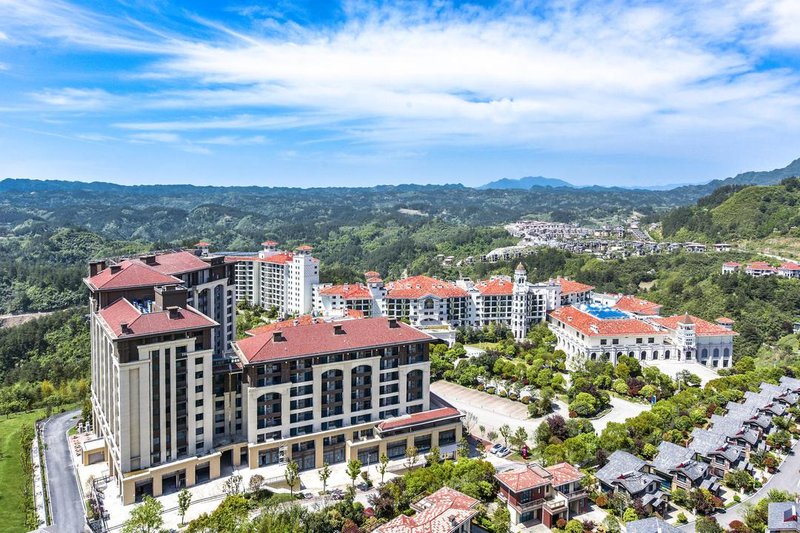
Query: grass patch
[13, 478]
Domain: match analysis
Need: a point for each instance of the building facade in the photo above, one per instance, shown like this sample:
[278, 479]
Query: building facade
[277, 278]
[593, 332]
[176, 400]
[426, 301]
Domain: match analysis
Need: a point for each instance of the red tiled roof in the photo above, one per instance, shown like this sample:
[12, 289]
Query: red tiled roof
[701, 327]
[177, 263]
[372, 274]
[202, 243]
[521, 479]
[760, 265]
[495, 287]
[418, 286]
[302, 320]
[572, 287]
[319, 338]
[731, 264]
[789, 265]
[279, 258]
[438, 513]
[564, 473]
[305, 248]
[638, 306]
[418, 418]
[725, 320]
[355, 291]
[594, 327]
[130, 274]
[138, 323]
[374, 280]
[269, 243]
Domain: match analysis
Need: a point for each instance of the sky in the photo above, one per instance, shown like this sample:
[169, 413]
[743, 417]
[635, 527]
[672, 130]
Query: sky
[354, 93]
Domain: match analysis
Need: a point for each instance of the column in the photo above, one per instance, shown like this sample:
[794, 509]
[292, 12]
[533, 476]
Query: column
[190, 475]
[157, 489]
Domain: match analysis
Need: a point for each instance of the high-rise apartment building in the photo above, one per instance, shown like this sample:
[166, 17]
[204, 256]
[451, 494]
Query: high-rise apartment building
[277, 278]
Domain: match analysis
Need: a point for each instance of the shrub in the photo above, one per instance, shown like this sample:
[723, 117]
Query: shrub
[513, 396]
[481, 386]
[502, 394]
[682, 518]
[490, 390]
[561, 523]
[601, 501]
[525, 399]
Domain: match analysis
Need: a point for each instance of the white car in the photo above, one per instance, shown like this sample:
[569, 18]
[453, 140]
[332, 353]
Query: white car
[503, 452]
[496, 448]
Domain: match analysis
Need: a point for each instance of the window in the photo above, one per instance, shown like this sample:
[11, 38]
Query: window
[447, 437]
[639, 340]
[603, 342]
[651, 340]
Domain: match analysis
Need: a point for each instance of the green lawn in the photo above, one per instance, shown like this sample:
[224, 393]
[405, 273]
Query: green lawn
[12, 477]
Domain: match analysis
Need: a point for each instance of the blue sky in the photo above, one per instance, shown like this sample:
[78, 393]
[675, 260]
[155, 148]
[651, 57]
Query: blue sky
[322, 93]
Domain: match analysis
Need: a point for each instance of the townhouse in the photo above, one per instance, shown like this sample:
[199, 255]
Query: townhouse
[536, 494]
[782, 517]
[679, 467]
[721, 455]
[631, 477]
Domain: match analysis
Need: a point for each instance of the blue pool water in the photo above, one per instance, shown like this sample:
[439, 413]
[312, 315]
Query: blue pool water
[602, 312]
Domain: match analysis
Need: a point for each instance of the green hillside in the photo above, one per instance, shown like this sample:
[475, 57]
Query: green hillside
[735, 214]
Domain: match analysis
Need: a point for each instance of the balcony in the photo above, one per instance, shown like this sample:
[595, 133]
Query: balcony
[556, 504]
[575, 495]
[522, 507]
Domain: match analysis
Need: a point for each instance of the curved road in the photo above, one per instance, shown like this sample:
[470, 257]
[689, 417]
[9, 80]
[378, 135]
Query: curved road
[62, 485]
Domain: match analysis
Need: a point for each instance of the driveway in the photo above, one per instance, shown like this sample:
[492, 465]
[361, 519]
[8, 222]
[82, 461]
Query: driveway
[621, 410]
[62, 485]
[491, 411]
[786, 479]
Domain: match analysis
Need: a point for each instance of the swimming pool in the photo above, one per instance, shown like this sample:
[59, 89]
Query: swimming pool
[602, 312]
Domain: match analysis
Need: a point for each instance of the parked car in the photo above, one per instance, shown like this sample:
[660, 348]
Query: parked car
[496, 448]
[504, 451]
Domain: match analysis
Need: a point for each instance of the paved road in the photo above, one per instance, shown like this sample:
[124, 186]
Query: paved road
[65, 497]
[786, 479]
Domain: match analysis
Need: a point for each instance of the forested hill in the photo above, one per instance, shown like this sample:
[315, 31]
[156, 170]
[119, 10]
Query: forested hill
[760, 177]
[739, 212]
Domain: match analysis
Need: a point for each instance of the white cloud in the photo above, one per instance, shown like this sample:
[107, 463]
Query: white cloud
[602, 75]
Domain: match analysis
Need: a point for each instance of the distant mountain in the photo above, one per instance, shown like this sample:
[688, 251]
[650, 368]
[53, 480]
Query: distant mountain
[758, 177]
[526, 183]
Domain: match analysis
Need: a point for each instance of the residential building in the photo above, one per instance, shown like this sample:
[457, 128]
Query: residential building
[737, 431]
[789, 269]
[573, 293]
[720, 454]
[592, 332]
[722, 247]
[544, 495]
[731, 267]
[782, 517]
[651, 525]
[638, 306]
[678, 466]
[175, 401]
[277, 278]
[630, 476]
[760, 269]
[426, 301]
[159, 325]
[445, 511]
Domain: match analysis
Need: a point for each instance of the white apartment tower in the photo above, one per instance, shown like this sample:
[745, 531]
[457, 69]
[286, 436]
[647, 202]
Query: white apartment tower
[277, 278]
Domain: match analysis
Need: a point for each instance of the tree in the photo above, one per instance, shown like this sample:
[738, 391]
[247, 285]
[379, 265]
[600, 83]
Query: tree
[412, 454]
[584, 404]
[324, 475]
[492, 436]
[707, 524]
[353, 470]
[630, 515]
[519, 438]
[463, 446]
[739, 480]
[501, 520]
[291, 475]
[434, 455]
[145, 517]
[366, 478]
[383, 463]
[256, 481]
[184, 500]
[505, 431]
[232, 485]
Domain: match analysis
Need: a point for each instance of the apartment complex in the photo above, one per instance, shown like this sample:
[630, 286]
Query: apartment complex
[277, 278]
[425, 301]
[594, 331]
[177, 400]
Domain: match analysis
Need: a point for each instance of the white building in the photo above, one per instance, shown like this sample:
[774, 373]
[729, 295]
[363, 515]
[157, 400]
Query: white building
[592, 332]
[277, 278]
[731, 267]
[789, 270]
[427, 301]
[760, 269]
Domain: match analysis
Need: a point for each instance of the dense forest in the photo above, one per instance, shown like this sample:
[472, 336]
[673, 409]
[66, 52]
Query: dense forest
[734, 213]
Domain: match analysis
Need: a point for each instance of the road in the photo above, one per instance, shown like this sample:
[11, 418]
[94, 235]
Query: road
[786, 479]
[65, 496]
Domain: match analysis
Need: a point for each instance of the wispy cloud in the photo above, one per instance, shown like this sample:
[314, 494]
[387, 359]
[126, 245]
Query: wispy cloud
[598, 75]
